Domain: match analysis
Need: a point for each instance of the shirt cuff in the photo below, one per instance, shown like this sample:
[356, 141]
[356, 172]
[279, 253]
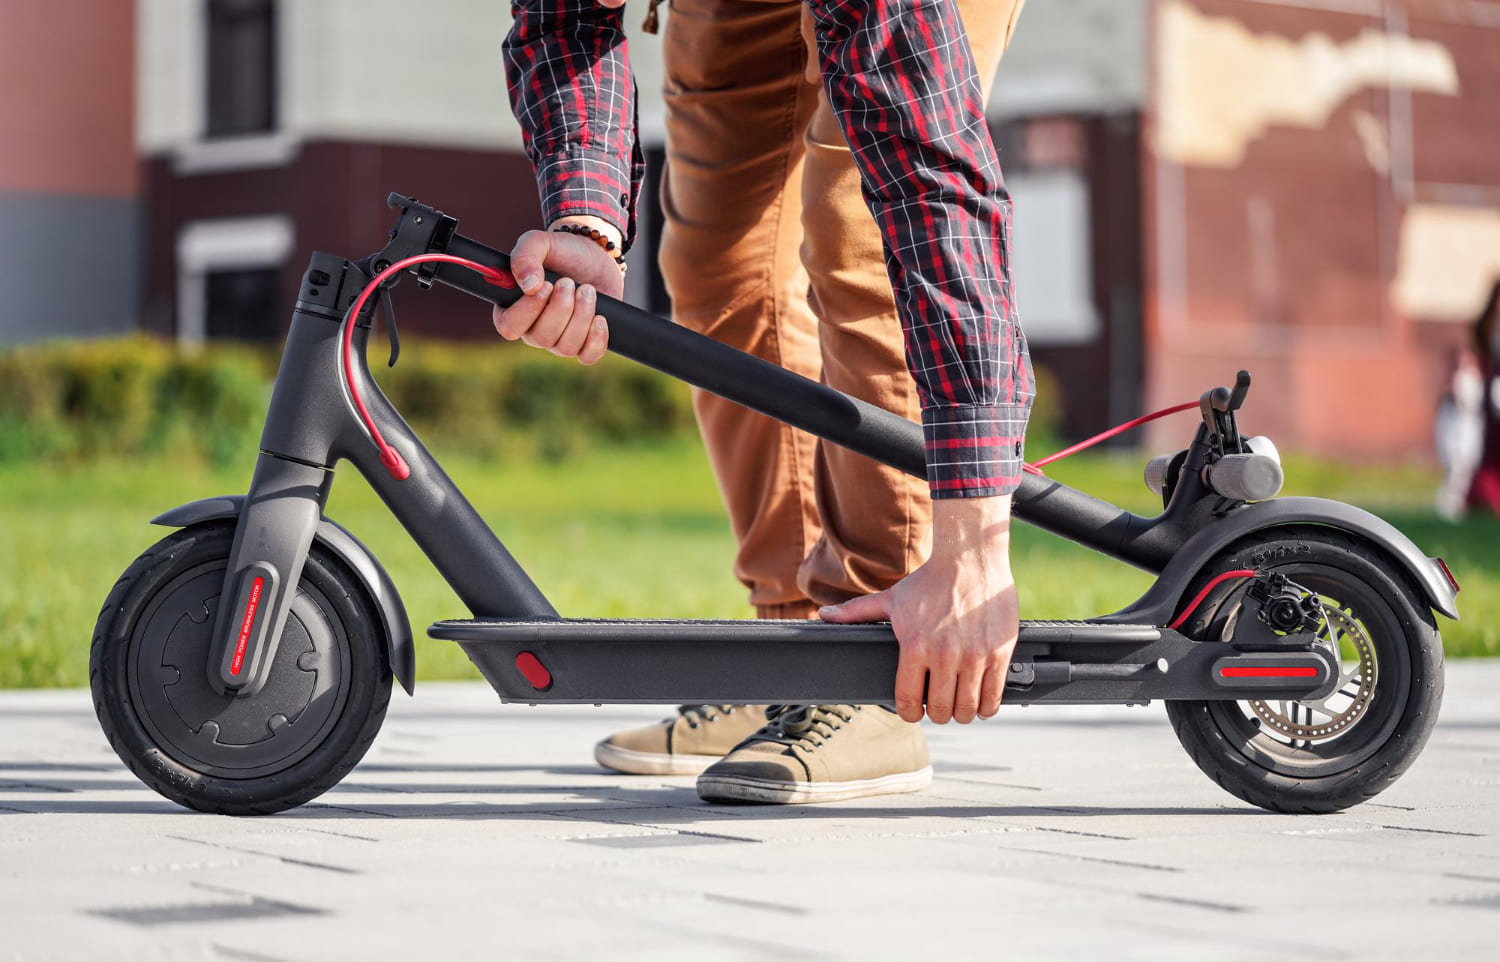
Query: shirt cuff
[974, 451]
[588, 182]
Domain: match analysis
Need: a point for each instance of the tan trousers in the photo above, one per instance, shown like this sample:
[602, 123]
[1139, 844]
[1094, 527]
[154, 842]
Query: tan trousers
[769, 247]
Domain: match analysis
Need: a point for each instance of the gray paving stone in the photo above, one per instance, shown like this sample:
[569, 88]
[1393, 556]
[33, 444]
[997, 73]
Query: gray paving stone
[480, 831]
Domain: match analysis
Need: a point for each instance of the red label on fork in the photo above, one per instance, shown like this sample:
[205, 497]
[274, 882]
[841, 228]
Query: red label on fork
[245, 625]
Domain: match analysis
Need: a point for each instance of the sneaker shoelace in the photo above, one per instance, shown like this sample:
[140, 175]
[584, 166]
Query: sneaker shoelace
[698, 714]
[806, 725]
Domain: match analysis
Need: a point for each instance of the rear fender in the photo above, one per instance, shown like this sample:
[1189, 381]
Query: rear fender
[1159, 604]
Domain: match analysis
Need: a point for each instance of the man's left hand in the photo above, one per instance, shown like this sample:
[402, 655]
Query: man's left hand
[957, 616]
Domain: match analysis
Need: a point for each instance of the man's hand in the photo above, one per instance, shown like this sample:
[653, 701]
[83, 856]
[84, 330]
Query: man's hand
[956, 617]
[561, 317]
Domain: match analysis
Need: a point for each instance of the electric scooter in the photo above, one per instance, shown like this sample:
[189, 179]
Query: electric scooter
[243, 663]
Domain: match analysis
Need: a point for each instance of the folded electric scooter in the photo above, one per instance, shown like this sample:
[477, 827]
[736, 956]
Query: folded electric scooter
[243, 663]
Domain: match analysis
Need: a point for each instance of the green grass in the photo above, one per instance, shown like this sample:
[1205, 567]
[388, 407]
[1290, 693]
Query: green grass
[633, 531]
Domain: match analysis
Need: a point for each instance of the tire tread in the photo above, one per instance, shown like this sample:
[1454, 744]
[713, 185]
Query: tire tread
[262, 796]
[1199, 734]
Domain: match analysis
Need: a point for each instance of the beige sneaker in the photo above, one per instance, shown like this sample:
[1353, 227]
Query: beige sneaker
[699, 736]
[822, 753]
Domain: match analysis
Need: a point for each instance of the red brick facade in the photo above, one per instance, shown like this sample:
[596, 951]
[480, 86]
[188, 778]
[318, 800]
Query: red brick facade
[1288, 260]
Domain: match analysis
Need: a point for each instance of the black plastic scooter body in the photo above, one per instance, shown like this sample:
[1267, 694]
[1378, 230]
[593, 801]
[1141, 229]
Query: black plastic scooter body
[752, 662]
[309, 430]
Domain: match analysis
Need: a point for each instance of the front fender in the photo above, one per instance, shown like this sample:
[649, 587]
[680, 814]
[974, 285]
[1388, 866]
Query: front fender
[337, 539]
[1158, 605]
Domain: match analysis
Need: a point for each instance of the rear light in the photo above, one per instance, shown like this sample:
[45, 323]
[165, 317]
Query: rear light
[1447, 574]
[532, 669]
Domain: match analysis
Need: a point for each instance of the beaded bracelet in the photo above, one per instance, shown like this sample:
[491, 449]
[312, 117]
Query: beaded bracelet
[598, 237]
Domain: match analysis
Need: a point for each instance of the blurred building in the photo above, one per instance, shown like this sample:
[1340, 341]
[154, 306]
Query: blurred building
[69, 175]
[1307, 188]
[1322, 193]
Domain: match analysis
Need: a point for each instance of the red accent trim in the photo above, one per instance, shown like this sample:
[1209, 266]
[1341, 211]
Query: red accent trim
[1448, 574]
[245, 624]
[1218, 580]
[536, 673]
[1035, 467]
[1268, 671]
[389, 456]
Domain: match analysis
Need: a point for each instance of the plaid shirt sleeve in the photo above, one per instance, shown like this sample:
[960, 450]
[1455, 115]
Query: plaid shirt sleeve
[567, 67]
[901, 78]
[902, 81]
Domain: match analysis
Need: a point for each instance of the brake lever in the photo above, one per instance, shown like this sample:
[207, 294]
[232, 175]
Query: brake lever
[390, 324]
[1241, 388]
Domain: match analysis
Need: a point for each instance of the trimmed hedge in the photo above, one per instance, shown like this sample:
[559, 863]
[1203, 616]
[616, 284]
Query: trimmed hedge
[80, 399]
[69, 401]
[489, 397]
[76, 400]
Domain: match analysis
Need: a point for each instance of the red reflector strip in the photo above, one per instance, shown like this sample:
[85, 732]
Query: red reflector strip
[1448, 574]
[245, 624]
[1267, 671]
[533, 670]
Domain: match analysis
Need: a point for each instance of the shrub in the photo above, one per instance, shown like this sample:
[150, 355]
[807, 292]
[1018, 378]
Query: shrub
[72, 400]
[66, 401]
[82, 399]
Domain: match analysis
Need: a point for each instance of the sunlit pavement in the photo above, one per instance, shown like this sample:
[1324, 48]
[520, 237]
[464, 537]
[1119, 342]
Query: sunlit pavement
[476, 830]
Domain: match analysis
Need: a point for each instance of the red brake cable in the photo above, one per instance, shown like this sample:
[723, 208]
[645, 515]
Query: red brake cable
[1035, 467]
[389, 456]
[1218, 579]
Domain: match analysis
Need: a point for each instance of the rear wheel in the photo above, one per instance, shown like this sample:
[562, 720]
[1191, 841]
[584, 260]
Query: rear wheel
[1326, 754]
[320, 709]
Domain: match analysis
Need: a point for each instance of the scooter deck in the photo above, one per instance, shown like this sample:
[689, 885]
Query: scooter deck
[589, 661]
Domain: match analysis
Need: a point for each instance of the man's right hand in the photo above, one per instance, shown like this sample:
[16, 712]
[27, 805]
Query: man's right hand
[561, 317]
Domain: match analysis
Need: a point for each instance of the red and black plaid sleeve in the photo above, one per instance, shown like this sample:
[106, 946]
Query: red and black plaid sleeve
[567, 66]
[901, 78]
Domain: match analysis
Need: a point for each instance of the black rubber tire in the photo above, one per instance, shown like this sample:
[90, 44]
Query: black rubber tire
[1414, 693]
[341, 743]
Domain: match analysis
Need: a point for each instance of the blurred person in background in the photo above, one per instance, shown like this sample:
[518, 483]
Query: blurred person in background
[1458, 431]
[1484, 490]
[833, 205]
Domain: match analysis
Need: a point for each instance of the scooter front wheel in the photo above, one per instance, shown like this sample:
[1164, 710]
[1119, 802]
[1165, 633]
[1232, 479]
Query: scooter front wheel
[1327, 754]
[318, 712]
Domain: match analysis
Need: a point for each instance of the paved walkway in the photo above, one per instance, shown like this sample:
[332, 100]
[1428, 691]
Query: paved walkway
[480, 831]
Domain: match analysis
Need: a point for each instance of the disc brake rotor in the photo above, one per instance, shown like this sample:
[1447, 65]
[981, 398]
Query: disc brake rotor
[1310, 721]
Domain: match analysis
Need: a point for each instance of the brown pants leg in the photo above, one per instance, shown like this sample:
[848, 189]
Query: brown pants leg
[768, 247]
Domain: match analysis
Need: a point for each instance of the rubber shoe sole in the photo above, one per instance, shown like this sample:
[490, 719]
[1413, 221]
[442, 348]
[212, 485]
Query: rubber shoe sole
[650, 763]
[768, 791]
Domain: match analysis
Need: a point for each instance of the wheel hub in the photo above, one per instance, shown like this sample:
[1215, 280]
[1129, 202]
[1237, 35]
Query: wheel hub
[226, 734]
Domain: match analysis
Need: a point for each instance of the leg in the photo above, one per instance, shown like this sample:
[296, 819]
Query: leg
[737, 104]
[876, 521]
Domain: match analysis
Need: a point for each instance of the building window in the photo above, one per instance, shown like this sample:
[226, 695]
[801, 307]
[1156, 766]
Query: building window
[1053, 270]
[241, 67]
[231, 275]
[244, 305]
